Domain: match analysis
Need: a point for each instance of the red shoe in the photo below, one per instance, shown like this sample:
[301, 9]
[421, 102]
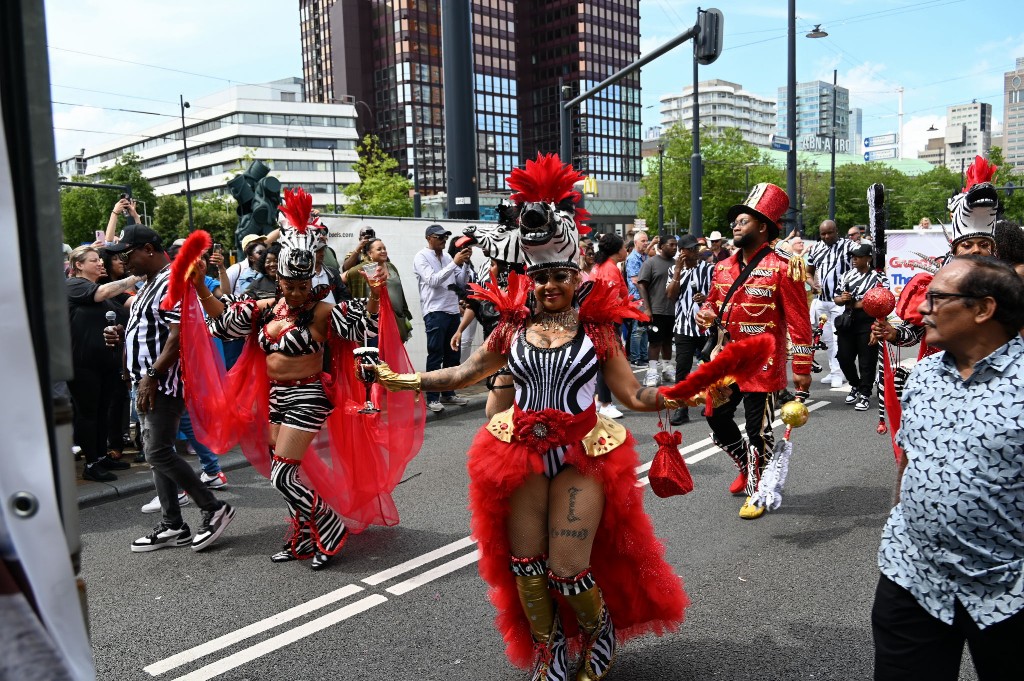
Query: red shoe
[739, 485]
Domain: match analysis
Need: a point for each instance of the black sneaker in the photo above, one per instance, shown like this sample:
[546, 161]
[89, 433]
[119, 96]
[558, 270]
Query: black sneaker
[112, 464]
[679, 416]
[853, 396]
[862, 404]
[213, 525]
[97, 473]
[163, 537]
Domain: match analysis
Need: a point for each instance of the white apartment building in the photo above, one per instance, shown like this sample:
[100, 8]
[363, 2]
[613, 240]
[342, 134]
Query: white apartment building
[968, 133]
[722, 105]
[299, 140]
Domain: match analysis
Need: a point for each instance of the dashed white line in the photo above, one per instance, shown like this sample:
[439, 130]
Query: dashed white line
[434, 573]
[414, 563]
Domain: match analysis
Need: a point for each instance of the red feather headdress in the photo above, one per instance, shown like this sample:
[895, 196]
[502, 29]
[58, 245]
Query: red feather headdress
[197, 243]
[736, 362]
[296, 207]
[548, 180]
[979, 172]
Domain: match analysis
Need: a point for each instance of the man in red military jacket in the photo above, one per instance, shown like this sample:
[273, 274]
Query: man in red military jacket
[767, 300]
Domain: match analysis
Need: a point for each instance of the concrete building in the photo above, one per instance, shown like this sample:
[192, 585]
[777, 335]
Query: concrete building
[722, 105]
[1013, 117]
[934, 151]
[968, 133]
[813, 120]
[387, 57]
[299, 140]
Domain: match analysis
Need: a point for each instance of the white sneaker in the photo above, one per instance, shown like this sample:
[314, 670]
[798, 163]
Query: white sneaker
[651, 380]
[838, 381]
[454, 399]
[154, 505]
[609, 411]
[668, 375]
[827, 378]
[435, 406]
[219, 481]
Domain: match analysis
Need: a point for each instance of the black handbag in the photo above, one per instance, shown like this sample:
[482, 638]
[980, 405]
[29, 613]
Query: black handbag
[844, 322]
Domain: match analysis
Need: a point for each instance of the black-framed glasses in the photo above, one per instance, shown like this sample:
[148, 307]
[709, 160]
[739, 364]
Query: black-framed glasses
[932, 296]
[559, 277]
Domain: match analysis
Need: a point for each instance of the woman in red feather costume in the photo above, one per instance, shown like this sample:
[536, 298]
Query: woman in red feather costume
[346, 483]
[565, 545]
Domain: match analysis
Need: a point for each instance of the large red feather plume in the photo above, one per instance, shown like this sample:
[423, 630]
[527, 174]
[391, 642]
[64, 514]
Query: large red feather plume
[510, 304]
[197, 243]
[600, 310]
[549, 180]
[735, 363]
[979, 172]
[296, 207]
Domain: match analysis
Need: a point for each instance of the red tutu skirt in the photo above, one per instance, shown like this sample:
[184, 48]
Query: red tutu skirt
[642, 592]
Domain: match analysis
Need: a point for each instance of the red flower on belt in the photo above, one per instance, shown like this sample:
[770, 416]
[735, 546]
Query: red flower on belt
[541, 430]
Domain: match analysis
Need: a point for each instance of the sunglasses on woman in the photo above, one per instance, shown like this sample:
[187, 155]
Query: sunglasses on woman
[559, 277]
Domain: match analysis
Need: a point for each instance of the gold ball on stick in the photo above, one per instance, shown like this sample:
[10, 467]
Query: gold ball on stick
[794, 414]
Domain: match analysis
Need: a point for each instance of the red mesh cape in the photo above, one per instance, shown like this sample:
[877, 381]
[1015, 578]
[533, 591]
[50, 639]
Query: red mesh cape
[356, 461]
[642, 591]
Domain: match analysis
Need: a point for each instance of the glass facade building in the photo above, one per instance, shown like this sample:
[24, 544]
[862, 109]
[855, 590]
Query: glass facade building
[386, 56]
[813, 119]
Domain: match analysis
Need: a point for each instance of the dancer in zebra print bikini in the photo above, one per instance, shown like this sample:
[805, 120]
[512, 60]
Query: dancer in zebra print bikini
[565, 545]
[293, 330]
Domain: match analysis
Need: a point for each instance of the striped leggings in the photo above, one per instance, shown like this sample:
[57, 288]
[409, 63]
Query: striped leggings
[315, 525]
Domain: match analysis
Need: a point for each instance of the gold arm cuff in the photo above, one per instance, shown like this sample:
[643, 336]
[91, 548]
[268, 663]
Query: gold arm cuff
[393, 382]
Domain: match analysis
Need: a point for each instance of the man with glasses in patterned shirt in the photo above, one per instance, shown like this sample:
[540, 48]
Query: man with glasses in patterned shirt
[952, 550]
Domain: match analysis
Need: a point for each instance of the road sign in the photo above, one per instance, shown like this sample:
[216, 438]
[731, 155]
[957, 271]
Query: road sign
[880, 141]
[879, 154]
[781, 143]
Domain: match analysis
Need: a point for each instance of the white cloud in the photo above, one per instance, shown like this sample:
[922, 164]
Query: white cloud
[916, 134]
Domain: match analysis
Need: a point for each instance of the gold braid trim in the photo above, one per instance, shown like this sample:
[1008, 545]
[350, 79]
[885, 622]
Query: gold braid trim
[798, 268]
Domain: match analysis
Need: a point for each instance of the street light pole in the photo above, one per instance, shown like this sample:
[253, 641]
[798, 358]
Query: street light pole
[791, 117]
[334, 179]
[184, 146]
[696, 162]
[661, 190]
[832, 186]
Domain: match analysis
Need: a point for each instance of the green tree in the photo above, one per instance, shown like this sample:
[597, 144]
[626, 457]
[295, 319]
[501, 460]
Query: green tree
[380, 190]
[170, 216]
[85, 210]
[216, 215]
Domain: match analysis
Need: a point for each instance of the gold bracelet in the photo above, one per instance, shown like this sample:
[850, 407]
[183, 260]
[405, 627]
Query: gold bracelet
[670, 403]
[393, 382]
[206, 297]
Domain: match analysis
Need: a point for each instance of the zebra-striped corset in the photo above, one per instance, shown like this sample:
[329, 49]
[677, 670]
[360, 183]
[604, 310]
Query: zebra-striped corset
[562, 378]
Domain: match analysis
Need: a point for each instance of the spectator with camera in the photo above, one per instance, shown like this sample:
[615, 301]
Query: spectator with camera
[125, 206]
[436, 272]
[265, 285]
[355, 259]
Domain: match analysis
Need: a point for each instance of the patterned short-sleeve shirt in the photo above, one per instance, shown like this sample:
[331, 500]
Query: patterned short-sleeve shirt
[958, 531]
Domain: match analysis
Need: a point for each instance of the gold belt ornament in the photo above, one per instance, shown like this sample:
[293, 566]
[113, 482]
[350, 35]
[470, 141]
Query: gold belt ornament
[605, 436]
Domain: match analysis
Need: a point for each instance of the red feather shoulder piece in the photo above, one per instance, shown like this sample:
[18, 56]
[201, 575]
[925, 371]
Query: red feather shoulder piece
[197, 243]
[736, 362]
[600, 310]
[510, 304]
[911, 298]
[979, 172]
[296, 207]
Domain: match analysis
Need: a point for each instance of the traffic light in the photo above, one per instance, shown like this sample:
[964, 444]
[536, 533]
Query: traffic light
[707, 46]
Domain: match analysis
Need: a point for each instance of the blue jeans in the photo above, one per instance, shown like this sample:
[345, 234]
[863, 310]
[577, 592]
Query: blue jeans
[440, 327]
[232, 350]
[638, 343]
[209, 460]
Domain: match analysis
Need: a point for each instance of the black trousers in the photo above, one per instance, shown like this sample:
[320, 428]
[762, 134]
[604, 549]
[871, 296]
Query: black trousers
[911, 644]
[92, 391]
[854, 353]
[758, 410]
[117, 421]
[687, 348]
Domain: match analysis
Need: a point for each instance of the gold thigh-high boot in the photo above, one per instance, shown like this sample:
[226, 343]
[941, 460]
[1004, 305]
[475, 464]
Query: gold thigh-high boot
[551, 663]
[599, 633]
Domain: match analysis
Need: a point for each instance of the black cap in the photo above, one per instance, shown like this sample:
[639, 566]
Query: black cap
[133, 237]
[688, 241]
[437, 230]
[861, 250]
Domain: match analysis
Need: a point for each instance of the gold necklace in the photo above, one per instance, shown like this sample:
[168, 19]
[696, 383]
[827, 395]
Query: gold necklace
[566, 320]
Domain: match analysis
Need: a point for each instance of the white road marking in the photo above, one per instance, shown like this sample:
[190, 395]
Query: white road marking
[434, 573]
[414, 563]
[281, 640]
[253, 629]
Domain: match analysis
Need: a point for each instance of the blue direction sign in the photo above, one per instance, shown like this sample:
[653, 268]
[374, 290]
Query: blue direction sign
[781, 143]
[879, 154]
[880, 140]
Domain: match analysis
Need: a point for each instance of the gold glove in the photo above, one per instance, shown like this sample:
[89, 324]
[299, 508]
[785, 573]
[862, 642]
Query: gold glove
[393, 382]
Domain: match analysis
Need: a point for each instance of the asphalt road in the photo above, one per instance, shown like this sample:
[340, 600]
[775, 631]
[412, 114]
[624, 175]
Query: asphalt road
[787, 596]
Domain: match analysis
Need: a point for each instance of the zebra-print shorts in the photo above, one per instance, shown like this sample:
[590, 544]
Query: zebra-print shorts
[303, 407]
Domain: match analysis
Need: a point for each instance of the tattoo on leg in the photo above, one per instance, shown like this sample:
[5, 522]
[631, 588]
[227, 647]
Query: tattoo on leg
[572, 517]
[571, 534]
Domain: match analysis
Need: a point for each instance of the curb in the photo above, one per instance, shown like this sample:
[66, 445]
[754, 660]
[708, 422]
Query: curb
[140, 482]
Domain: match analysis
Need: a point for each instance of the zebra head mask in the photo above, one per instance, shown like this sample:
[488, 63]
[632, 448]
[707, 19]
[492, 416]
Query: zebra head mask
[297, 259]
[500, 241]
[544, 212]
[973, 211]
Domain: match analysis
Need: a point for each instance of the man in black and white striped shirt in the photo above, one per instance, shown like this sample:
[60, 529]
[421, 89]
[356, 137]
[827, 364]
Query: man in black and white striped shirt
[151, 344]
[829, 260]
[689, 280]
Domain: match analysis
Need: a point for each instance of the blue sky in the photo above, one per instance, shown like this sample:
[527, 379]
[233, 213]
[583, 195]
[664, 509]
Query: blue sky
[107, 57]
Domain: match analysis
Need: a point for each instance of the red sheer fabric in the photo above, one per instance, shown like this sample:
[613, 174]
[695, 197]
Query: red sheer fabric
[355, 463]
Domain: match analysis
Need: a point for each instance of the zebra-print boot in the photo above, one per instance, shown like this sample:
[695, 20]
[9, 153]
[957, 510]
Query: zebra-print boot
[551, 662]
[319, 530]
[598, 631]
